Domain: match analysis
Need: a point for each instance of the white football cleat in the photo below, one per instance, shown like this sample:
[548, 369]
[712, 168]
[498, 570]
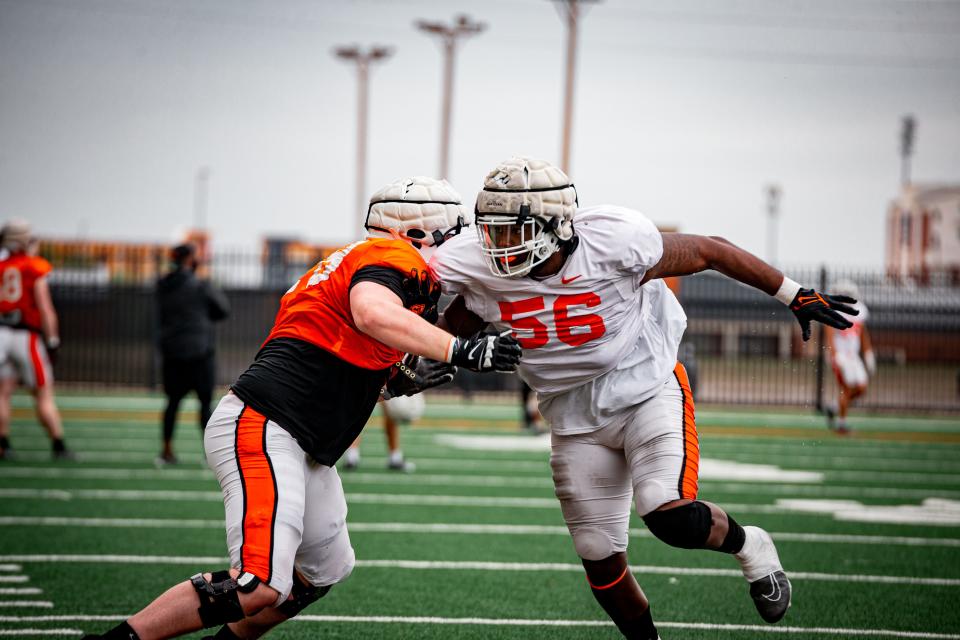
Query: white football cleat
[769, 587]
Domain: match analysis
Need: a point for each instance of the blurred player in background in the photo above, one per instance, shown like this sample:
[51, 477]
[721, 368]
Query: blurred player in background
[582, 290]
[188, 307]
[29, 334]
[337, 342]
[852, 358]
[532, 420]
[396, 411]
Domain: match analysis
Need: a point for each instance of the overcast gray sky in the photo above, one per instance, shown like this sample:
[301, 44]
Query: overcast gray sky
[685, 109]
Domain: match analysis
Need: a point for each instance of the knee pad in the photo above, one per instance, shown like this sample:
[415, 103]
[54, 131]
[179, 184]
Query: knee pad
[301, 596]
[686, 527]
[592, 543]
[219, 598]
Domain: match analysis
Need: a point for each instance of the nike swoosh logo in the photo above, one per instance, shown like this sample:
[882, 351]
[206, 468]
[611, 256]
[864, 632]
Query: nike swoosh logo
[775, 591]
[569, 280]
[474, 350]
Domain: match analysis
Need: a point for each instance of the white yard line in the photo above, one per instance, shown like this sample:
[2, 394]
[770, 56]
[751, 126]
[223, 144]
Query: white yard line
[27, 604]
[111, 494]
[10, 567]
[393, 500]
[523, 622]
[491, 566]
[451, 528]
[14, 579]
[488, 480]
[20, 591]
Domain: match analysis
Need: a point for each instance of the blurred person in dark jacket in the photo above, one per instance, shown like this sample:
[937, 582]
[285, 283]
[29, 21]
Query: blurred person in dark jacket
[188, 308]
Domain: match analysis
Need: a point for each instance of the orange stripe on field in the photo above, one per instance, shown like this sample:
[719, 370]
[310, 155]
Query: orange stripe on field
[690, 472]
[38, 371]
[259, 494]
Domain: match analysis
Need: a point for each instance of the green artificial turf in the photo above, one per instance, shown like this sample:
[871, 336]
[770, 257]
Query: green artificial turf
[114, 502]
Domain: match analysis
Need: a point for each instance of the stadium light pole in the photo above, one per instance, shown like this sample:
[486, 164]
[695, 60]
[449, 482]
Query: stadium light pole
[201, 187]
[462, 26]
[362, 59]
[570, 13]
[907, 131]
[773, 192]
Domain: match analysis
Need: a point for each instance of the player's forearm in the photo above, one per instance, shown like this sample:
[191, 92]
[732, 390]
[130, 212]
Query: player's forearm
[405, 331]
[49, 324]
[378, 312]
[734, 262]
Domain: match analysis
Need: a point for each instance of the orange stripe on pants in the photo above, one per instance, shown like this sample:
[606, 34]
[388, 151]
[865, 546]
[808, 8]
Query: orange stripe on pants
[690, 471]
[259, 494]
[39, 373]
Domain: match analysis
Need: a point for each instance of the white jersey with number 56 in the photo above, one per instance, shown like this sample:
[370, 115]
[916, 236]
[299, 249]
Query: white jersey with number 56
[590, 333]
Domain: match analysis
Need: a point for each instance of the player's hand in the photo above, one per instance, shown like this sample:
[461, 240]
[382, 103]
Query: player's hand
[53, 346]
[415, 374]
[487, 352]
[809, 305]
[422, 293]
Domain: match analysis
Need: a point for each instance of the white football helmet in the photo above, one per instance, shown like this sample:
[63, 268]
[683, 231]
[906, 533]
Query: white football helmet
[846, 288]
[423, 211]
[16, 235]
[405, 408]
[524, 214]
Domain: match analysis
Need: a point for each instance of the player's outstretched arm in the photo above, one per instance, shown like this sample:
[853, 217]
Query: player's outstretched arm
[379, 313]
[684, 254]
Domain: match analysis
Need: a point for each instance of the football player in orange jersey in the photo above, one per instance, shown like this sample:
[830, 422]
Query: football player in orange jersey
[29, 334]
[337, 342]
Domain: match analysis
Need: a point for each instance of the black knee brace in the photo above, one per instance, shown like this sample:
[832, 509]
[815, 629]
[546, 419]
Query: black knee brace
[686, 527]
[301, 596]
[219, 598]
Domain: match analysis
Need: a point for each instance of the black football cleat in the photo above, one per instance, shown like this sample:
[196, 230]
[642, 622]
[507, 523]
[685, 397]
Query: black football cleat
[771, 596]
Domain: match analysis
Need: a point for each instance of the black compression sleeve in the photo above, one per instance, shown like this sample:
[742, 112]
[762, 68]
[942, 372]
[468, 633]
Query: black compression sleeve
[389, 278]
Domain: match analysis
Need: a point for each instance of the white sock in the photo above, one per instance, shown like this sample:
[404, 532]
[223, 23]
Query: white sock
[396, 456]
[758, 558]
[352, 455]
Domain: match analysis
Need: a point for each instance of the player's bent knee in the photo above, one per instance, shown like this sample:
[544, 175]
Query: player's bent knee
[302, 596]
[687, 526]
[220, 597]
[593, 544]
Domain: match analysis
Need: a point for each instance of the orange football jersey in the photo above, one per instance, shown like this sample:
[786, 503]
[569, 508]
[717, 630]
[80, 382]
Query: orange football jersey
[317, 308]
[18, 275]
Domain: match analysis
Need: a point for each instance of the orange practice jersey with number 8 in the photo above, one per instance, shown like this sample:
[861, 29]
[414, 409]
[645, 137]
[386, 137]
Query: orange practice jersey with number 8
[317, 308]
[18, 276]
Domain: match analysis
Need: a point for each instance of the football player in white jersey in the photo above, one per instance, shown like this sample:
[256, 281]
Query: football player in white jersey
[582, 291]
[852, 370]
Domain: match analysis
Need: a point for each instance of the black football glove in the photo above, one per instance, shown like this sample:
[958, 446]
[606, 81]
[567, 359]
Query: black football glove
[53, 346]
[422, 294]
[414, 374]
[487, 352]
[809, 305]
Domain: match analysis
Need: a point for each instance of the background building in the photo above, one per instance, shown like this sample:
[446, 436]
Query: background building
[923, 233]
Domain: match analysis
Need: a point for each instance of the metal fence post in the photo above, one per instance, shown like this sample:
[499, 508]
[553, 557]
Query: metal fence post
[155, 322]
[818, 401]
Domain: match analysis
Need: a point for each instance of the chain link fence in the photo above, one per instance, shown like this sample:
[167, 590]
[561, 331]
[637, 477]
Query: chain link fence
[741, 346]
